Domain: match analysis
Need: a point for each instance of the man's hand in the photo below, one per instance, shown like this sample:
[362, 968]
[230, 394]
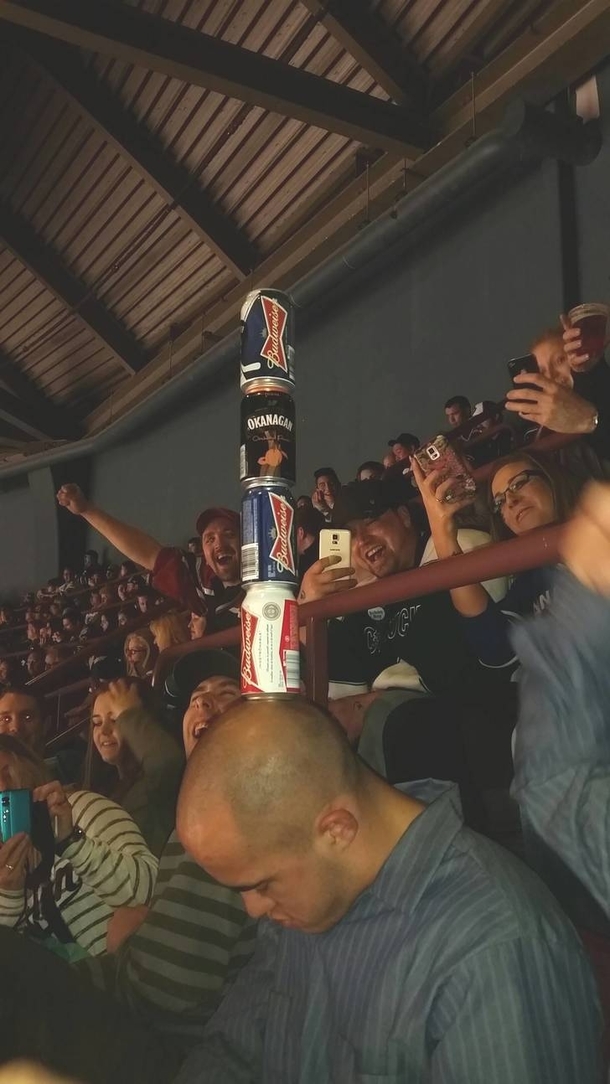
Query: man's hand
[72, 497]
[17, 856]
[321, 580]
[551, 405]
[585, 543]
[319, 502]
[59, 807]
[123, 922]
[124, 695]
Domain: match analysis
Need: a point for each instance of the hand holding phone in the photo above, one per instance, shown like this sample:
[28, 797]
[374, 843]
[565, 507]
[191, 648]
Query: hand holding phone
[525, 364]
[439, 455]
[336, 542]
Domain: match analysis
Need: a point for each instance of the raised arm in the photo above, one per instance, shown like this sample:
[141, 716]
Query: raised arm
[131, 541]
[562, 754]
[469, 601]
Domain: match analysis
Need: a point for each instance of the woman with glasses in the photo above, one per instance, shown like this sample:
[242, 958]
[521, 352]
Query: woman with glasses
[525, 491]
[140, 654]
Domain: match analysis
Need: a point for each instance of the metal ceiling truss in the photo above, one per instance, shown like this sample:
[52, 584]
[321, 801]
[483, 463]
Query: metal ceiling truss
[136, 37]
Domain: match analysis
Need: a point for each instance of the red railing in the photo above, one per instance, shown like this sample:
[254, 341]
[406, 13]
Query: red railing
[532, 550]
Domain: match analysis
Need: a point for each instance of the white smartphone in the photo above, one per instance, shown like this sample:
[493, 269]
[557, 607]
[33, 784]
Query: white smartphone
[336, 542]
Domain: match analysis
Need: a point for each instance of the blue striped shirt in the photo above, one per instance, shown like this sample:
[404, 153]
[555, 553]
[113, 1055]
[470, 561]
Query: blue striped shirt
[455, 965]
[562, 750]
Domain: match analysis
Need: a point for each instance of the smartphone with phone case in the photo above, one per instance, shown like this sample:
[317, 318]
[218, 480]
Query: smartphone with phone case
[336, 542]
[440, 455]
[525, 364]
[15, 813]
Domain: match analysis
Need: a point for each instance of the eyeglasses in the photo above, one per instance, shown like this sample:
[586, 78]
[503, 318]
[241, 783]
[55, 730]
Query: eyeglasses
[135, 651]
[518, 482]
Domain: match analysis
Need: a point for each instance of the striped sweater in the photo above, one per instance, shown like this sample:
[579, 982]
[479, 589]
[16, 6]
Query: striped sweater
[175, 969]
[112, 867]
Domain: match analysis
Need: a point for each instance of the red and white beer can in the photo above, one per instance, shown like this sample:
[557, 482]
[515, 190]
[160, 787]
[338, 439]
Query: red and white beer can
[269, 641]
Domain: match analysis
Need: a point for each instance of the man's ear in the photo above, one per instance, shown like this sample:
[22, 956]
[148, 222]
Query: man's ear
[338, 828]
[404, 516]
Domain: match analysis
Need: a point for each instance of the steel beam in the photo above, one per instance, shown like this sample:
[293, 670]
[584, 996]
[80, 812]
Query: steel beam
[378, 50]
[29, 248]
[141, 149]
[136, 37]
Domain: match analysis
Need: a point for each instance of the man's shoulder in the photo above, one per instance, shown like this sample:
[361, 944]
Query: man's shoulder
[483, 896]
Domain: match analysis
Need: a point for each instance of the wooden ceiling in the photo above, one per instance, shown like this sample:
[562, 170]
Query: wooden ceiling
[161, 157]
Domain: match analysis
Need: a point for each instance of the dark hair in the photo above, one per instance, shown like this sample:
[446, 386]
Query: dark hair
[129, 567]
[71, 613]
[563, 485]
[194, 539]
[370, 464]
[459, 401]
[326, 472]
[25, 690]
[101, 777]
[92, 553]
[310, 520]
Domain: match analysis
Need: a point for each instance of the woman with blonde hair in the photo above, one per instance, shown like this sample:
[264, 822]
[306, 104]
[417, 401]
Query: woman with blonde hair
[140, 654]
[170, 629]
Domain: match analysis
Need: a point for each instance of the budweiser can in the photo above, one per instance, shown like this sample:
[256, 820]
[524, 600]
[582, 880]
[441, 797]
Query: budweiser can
[267, 447]
[268, 543]
[267, 338]
[269, 641]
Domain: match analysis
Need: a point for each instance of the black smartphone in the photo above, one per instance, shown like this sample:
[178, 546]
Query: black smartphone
[525, 364]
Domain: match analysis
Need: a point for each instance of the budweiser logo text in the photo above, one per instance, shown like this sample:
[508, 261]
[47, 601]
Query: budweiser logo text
[282, 550]
[248, 632]
[275, 319]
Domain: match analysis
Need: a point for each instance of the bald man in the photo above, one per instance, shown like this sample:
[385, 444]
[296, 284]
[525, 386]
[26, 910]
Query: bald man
[401, 946]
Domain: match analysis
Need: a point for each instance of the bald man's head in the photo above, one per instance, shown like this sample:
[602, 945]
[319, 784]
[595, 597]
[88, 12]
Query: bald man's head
[275, 763]
[269, 805]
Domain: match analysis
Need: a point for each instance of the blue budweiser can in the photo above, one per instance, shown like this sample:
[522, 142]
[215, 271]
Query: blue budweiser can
[267, 341]
[268, 542]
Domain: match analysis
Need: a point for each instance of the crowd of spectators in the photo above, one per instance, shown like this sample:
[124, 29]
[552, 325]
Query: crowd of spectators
[134, 917]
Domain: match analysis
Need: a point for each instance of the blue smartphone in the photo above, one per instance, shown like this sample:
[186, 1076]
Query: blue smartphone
[15, 813]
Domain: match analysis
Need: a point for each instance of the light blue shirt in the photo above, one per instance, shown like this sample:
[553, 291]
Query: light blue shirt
[456, 965]
[562, 748]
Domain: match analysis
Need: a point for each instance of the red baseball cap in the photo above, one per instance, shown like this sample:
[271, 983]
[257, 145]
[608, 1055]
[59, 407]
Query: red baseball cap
[209, 514]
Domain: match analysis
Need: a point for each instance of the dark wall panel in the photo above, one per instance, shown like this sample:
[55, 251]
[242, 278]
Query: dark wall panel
[17, 539]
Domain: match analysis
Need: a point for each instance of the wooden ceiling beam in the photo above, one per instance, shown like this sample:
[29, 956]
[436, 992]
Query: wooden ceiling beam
[562, 47]
[170, 179]
[378, 50]
[136, 37]
[29, 248]
[29, 409]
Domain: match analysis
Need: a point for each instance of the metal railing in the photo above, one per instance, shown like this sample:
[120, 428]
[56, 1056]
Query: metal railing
[533, 550]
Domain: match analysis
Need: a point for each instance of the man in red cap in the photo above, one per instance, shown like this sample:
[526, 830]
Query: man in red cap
[214, 592]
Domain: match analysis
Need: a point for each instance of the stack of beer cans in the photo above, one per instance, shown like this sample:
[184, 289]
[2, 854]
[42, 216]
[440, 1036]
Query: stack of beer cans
[269, 618]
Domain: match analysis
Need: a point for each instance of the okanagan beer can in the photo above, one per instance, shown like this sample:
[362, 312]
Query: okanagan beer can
[267, 446]
[268, 542]
[270, 664]
[267, 341]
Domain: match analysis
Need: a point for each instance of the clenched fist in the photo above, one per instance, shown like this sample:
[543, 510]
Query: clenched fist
[72, 497]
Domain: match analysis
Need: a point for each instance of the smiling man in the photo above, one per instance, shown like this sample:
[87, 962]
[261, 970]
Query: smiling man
[210, 588]
[422, 636]
[398, 945]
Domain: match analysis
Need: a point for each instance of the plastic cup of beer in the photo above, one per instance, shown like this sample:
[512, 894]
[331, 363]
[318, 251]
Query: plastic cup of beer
[592, 321]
